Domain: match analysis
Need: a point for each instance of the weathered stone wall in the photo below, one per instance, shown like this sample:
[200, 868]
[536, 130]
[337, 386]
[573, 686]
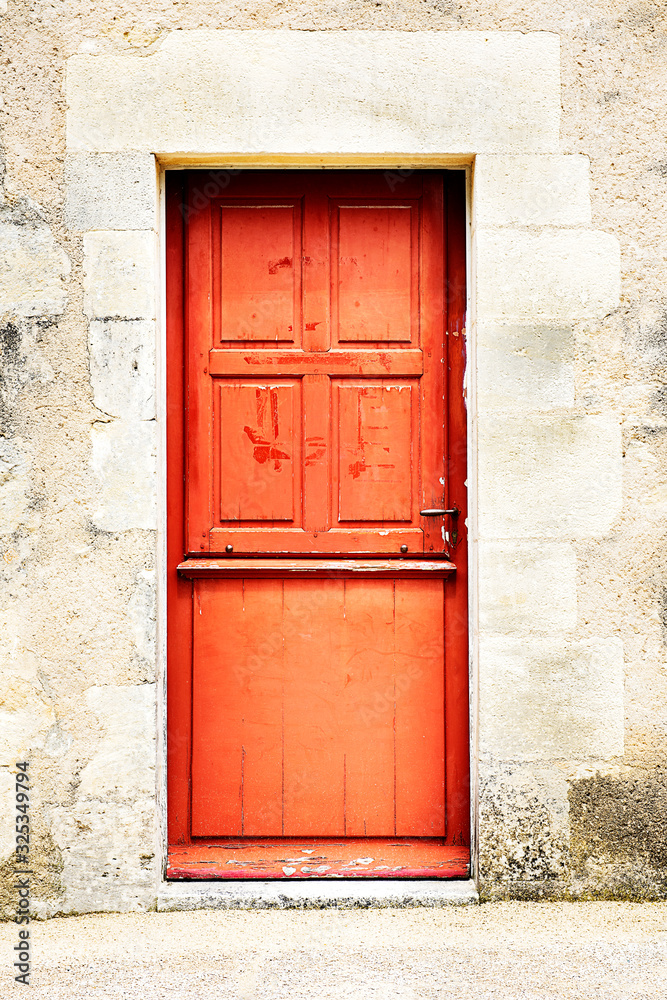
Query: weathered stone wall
[566, 386]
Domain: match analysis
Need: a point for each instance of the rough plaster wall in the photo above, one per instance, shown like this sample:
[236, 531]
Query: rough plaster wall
[78, 650]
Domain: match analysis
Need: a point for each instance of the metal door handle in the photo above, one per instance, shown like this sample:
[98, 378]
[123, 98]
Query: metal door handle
[439, 512]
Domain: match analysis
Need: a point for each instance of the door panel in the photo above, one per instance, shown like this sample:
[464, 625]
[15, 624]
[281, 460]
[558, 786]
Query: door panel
[318, 708]
[258, 271]
[375, 260]
[317, 273]
[376, 424]
[259, 462]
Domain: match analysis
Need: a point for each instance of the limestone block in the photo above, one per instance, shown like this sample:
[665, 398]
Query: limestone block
[524, 367]
[122, 367]
[540, 700]
[107, 835]
[119, 275]
[124, 461]
[290, 91]
[142, 615]
[555, 274]
[15, 483]
[123, 766]
[7, 813]
[26, 710]
[531, 190]
[32, 270]
[110, 191]
[552, 475]
[527, 587]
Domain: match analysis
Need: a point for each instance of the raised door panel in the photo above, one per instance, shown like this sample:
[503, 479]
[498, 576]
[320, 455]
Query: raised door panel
[378, 427]
[259, 272]
[375, 263]
[259, 453]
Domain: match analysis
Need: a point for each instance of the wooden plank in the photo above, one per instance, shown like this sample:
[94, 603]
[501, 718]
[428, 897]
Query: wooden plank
[306, 568]
[434, 404]
[310, 858]
[419, 711]
[199, 387]
[179, 590]
[237, 762]
[366, 707]
[368, 541]
[316, 397]
[313, 756]
[456, 590]
[336, 362]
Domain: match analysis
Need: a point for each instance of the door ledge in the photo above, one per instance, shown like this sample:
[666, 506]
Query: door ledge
[305, 895]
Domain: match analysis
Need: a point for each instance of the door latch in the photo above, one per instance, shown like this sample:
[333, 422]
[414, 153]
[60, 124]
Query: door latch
[442, 512]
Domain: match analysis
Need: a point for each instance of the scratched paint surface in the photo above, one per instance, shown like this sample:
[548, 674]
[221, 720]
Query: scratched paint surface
[335, 297]
[259, 450]
[375, 438]
[257, 274]
[321, 859]
[318, 708]
[374, 263]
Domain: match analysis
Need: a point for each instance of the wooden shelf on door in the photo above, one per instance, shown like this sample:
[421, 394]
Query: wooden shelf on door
[305, 568]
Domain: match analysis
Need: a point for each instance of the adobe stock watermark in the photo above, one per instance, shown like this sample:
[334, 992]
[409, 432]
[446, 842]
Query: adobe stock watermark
[22, 873]
[215, 184]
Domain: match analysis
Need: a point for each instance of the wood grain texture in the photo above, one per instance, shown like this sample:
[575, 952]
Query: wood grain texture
[317, 679]
[320, 859]
[321, 701]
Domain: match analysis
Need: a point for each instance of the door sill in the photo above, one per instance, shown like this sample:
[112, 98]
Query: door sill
[342, 894]
[319, 859]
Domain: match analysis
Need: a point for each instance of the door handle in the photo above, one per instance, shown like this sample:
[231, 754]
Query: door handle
[439, 512]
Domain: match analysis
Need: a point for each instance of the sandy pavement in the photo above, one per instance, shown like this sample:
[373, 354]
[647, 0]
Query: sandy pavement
[500, 950]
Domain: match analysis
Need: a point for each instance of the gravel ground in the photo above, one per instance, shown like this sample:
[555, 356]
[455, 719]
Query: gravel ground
[500, 950]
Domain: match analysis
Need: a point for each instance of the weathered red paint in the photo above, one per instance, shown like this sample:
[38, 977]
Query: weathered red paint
[328, 442]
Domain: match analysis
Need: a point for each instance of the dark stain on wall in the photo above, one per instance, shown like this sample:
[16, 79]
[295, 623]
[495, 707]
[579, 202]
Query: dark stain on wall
[618, 825]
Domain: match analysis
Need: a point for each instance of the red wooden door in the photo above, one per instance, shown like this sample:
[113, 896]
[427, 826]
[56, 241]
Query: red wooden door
[318, 668]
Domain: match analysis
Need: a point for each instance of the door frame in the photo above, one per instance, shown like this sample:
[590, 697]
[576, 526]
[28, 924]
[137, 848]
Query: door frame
[395, 168]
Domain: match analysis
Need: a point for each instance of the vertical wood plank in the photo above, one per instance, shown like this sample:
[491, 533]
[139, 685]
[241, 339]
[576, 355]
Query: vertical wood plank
[434, 412]
[456, 589]
[367, 708]
[314, 763]
[237, 718]
[179, 591]
[316, 402]
[199, 395]
[419, 701]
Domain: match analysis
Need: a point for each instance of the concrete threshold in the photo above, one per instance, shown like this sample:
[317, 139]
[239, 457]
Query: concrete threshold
[314, 895]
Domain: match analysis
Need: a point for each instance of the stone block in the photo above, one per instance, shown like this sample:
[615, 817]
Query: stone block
[540, 700]
[527, 587]
[531, 190]
[110, 191]
[123, 765]
[32, 270]
[119, 275]
[524, 367]
[423, 92]
[555, 274]
[26, 710]
[124, 462]
[554, 475]
[122, 368]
